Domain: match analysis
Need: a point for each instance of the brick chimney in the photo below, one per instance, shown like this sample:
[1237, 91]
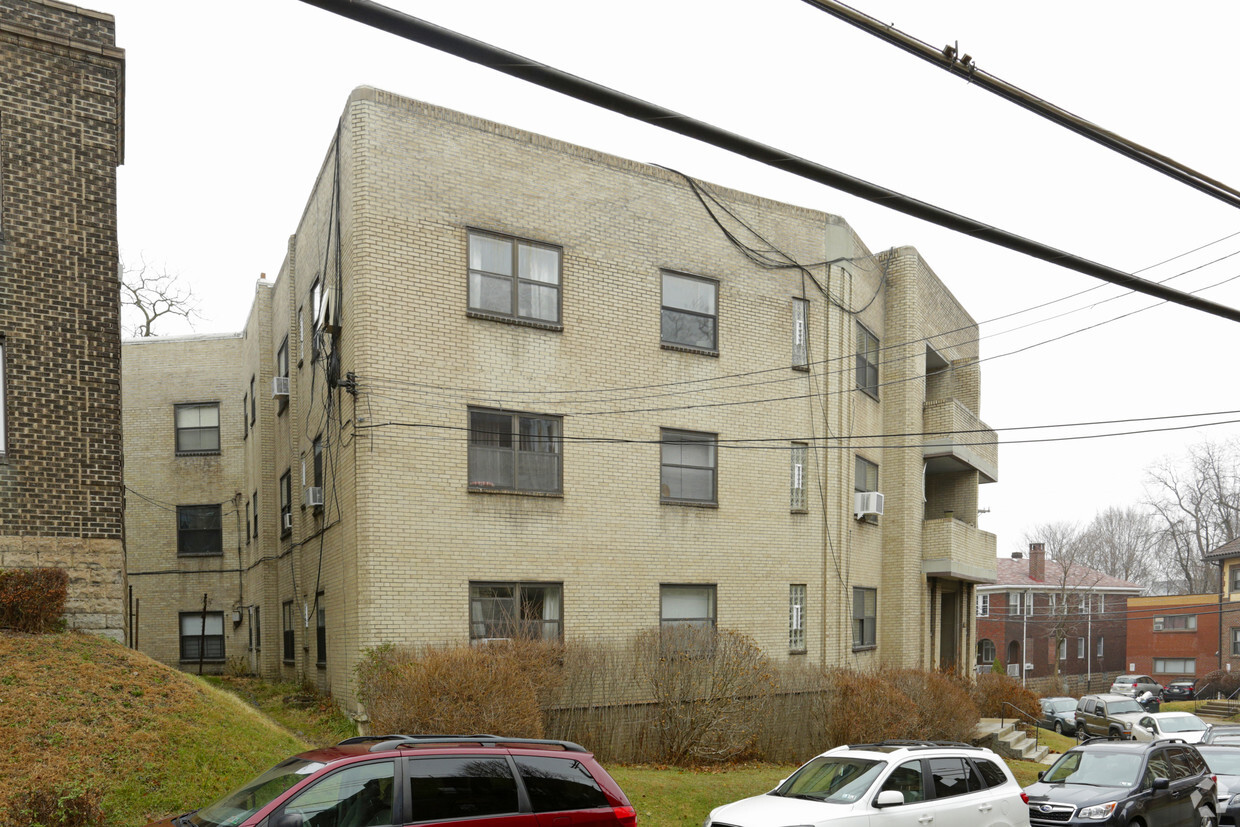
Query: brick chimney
[1037, 562]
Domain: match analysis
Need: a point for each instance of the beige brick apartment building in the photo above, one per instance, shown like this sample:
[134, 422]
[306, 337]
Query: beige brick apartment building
[61, 139]
[506, 385]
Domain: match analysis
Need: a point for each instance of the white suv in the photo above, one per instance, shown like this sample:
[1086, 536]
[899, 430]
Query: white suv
[891, 783]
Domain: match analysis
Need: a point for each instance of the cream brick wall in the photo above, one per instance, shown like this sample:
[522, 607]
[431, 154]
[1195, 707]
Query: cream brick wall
[401, 537]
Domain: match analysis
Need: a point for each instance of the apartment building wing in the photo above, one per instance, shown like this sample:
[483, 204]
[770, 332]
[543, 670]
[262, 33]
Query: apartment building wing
[1044, 619]
[61, 139]
[503, 385]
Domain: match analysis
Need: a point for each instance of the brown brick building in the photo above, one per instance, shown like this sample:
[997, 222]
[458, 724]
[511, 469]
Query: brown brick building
[61, 139]
[503, 385]
[1052, 621]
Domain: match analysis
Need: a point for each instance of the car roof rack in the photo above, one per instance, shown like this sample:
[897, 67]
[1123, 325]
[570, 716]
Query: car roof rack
[906, 744]
[381, 743]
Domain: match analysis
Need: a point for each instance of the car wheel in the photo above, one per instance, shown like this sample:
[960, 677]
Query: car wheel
[1114, 735]
[1059, 727]
[1209, 820]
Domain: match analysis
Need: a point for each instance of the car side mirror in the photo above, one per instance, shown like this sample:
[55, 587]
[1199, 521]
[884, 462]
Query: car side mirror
[287, 820]
[1161, 783]
[1040, 774]
[889, 798]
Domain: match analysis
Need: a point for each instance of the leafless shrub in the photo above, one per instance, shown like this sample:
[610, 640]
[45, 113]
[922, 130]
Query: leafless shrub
[861, 707]
[944, 708]
[992, 692]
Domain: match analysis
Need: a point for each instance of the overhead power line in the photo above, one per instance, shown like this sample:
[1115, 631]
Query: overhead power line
[963, 66]
[484, 54]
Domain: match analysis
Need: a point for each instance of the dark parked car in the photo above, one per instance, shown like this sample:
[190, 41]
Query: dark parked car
[1059, 714]
[1155, 784]
[401, 779]
[1224, 762]
[1180, 691]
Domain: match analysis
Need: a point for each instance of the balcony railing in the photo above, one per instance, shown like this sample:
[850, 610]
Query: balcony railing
[956, 440]
[950, 548]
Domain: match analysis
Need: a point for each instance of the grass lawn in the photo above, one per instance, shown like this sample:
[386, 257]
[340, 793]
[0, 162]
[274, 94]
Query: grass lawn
[672, 797]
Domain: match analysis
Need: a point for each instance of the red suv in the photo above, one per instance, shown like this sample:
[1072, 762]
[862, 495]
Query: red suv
[391, 780]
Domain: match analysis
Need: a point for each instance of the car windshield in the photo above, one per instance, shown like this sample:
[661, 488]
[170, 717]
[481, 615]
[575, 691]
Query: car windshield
[247, 800]
[832, 778]
[1095, 769]
[1181, 723]
[1065, 705]
[1223, 761]
[1119, 707]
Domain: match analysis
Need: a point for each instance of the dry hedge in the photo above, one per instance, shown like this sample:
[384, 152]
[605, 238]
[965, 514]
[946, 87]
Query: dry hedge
[992, 691]
[32, 600]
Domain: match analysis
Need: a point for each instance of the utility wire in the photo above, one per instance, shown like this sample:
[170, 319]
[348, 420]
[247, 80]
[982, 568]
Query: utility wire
[476, 51]
[963, 66]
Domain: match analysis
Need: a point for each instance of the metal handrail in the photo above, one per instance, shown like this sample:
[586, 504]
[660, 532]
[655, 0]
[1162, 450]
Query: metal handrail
[1037, 730]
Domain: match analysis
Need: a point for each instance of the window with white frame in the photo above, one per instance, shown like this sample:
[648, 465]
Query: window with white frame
[864, 617]
[689, 316]
[800, 333]
[1100, 647]
[502, 611]
[687, 466]
[1020, 603]
[800, 453]
[867, 361]
[796, 618]
[1080, 647]
[202, 636]
[1235, 641]
[865, 480]
[514, 451]
[1175, 666]
[286, 502]
[514, 278]
[1063, 649]
[986, 651]
[983, 606]
[1175, 623]
[197, 428]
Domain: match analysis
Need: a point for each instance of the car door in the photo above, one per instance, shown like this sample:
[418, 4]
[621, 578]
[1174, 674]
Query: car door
[358, 795]
[960, 794]
[479, 790]
[1160, 808]
[919, 808]
[562, 792]
[1183, 781]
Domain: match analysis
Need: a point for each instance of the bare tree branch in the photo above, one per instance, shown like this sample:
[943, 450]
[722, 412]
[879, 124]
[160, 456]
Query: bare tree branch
[149, 294]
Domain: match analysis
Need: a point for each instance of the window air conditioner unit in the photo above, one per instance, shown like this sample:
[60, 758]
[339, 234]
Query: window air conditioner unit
[279, 386]
[867, 502]
[314, 496]
[288, 522]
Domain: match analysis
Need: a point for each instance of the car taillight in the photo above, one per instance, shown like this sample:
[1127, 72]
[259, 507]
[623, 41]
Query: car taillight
[625, 816]
[1024, 796]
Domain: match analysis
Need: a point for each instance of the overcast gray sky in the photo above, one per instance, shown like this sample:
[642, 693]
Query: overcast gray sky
[230, 106]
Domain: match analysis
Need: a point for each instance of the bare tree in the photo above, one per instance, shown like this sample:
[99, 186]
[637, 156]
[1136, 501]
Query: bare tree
[1124, 543]
[149, 294]
[1196, 501]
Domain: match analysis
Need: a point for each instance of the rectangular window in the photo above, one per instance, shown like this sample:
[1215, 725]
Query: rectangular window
[864, 616]
[865, 479]
[514, 452]
[1100, 647]
[288, 619]
[1080, 648]
[199, 530]
[301, 335]
[867, 361]
[688, 466]
[1050, 604]
[800, 453]
[316, 301]
[1235, 641]
[1235, 578]
[514, 278]
[202, 636]
[1175, 666]
[256, 630]
[796, 618]
[1020, 603]
[1175, 623]
[320, 633]
[3, 398]
[318, 461]
[245, 416]
[198, 428]
[983, 605]
[255, 498]
[1063, 649]
[247, 523]
[501, 611]
[286, 502]
[689, 312]
[253, 400]
[282, 359]
[800, 333]
[690, 606]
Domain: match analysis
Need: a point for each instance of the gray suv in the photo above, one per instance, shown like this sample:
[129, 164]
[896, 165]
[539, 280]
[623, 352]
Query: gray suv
[1134, 685]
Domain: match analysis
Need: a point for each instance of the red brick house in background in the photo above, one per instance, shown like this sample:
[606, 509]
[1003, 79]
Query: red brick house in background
[1189, 635]
[1039, 614]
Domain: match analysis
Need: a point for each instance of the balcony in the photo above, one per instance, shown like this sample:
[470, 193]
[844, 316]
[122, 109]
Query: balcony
[956, 440]
[950, 548]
